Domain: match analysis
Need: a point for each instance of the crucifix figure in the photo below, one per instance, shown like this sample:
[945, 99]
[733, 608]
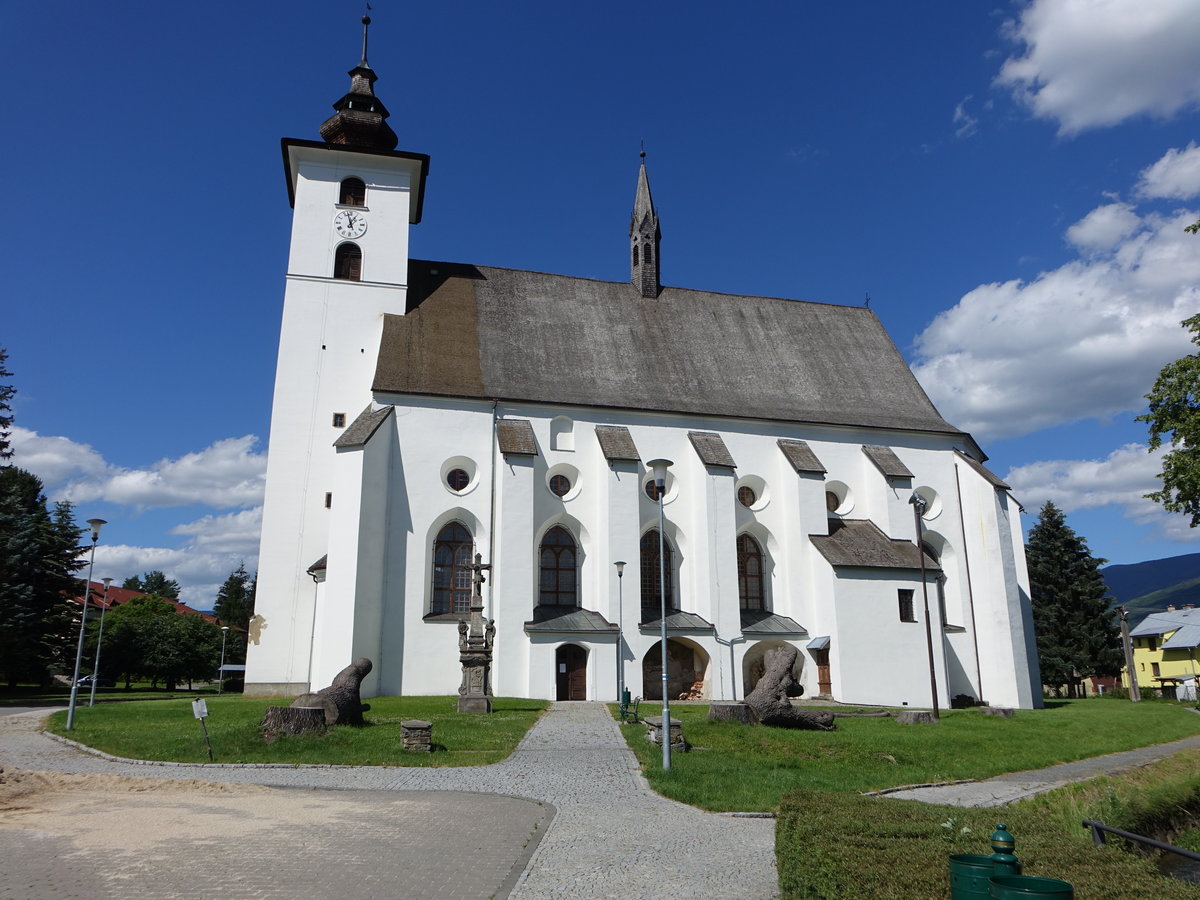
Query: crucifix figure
[475, 641]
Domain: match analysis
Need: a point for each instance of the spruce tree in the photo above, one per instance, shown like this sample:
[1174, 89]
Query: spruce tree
[234, 607]
[155, 583]
[1077, 632]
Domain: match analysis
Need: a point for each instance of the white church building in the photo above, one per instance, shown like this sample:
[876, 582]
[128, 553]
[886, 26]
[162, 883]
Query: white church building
[425, 412]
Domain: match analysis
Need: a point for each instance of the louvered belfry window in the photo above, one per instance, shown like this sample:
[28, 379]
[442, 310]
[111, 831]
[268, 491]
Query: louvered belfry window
[453, 552]
[353, 193]
[347, 262]
[558, 579]
[651, 585]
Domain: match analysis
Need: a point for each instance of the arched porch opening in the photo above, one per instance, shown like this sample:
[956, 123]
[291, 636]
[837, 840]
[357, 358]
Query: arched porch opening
[687, 671]
[754, 664]
[570, 672]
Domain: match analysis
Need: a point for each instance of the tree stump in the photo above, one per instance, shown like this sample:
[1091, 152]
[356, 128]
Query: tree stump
[724, 711]
[770, 700]
[915, 717]
[294, 720]
[341, 700]
[999, 711]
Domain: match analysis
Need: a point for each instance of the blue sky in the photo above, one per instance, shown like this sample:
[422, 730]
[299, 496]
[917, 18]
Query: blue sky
[1008, 183]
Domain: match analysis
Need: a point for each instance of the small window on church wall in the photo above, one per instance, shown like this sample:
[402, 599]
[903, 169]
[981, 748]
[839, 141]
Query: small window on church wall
[746, 496]
[560, 485]
[458, 479]
[750, 573]
[328, 500]
[339, 420]
[635, 254]
[452, 556]
[353, 193]
[831, 501]
[648, 255]
[347, 262]
[905, 597]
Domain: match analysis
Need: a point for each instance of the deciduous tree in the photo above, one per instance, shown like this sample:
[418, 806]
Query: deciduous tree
[145, 637]
[1077, 633]
[155, 583]
[1174, 418]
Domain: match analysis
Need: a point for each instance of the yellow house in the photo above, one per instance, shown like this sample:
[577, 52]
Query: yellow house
[1166, 648]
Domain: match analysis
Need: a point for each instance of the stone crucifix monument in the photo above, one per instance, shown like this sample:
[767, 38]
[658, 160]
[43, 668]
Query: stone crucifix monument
[475, 639]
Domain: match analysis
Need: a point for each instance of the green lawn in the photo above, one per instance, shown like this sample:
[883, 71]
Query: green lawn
[749, 767]
[60, 694]
[168, 731]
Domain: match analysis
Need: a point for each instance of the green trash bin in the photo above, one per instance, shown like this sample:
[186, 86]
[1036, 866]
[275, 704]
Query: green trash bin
[1024, 887]
[970, 876]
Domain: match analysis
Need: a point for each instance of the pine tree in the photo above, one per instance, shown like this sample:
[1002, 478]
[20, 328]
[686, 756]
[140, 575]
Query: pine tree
[39, 556]
[234, 607]
[1077, 632]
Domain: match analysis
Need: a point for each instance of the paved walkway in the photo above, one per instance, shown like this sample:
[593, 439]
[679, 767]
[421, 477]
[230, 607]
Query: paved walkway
[1014, 786]
[608, 836]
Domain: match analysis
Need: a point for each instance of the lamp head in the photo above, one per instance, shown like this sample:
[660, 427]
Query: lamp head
[107, 582]
[224, 627]
[96, 525]
[620, 564]
[659, 468]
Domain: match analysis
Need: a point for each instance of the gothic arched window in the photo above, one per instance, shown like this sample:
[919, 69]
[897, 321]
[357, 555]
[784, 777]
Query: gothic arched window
[648, 254]
[453, 553]
[750, 573]
[347, 262]
[558, 579]
[353, 193]
[635, 254]
[651, 584]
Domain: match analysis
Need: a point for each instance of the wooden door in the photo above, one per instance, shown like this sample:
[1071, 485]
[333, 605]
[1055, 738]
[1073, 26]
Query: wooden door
[570, 663]
[824, 684]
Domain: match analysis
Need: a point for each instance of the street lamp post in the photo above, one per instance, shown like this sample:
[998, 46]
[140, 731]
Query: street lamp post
[221, 671]
[99, 641]
[659, 468]
[95, 525]
[919, 506]
[620, 564]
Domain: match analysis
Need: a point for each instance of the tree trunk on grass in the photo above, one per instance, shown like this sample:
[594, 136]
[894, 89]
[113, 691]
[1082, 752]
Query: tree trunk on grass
[293, 720]
[770, 700]
[732, 712]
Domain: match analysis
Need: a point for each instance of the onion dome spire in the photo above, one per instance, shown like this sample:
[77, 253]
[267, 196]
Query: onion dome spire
[360, 115]
[644, 238]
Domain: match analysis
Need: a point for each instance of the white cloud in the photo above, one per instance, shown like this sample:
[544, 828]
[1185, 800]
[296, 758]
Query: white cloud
[1176, 176]
[1104, 227]
[1092, 63]
[1085, 340]
[236, 532]
[1122, 478]
[226, 474]
[965, 124]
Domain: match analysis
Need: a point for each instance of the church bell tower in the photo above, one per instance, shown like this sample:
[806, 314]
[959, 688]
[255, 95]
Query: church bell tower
[354, 198]
[643, 238]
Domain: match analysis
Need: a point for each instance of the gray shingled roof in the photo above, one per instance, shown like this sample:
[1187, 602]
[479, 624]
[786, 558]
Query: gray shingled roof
[567, 618]
[511, 335]
[711, 449]
[617, 443]
[886, 461]
[860, 542]
[516, 436]
[760, 622]
[994, 479]
[361, 429]
[678, 621]
[801, 456]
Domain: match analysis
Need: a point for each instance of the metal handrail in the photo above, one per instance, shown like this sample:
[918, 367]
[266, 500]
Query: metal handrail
[1098, 829]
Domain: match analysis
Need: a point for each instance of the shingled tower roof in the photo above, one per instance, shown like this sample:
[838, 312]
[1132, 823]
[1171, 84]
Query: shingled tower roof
[360, 115]
[643, 238]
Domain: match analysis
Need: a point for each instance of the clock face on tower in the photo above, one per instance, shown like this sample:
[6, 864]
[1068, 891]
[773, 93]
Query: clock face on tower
[350, 224]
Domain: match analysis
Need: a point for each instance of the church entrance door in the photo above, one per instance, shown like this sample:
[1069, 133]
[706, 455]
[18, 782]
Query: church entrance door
[570, 662]
[824, 682]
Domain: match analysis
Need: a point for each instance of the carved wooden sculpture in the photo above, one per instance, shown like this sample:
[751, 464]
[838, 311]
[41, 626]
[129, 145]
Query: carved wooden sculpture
[341, 700]
[769, 699]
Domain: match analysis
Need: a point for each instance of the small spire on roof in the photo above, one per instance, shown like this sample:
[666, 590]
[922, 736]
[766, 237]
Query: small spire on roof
[644, 236]
[359, 116]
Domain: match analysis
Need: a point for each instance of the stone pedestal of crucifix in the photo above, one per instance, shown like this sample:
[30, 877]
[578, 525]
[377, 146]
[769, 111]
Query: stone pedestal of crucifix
[475, 639]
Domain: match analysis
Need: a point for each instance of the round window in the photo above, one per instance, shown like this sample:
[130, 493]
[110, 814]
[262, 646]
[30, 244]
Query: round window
[560, 485]
[831, 501]
[651, 490]
[458, 479]
[746, 496]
